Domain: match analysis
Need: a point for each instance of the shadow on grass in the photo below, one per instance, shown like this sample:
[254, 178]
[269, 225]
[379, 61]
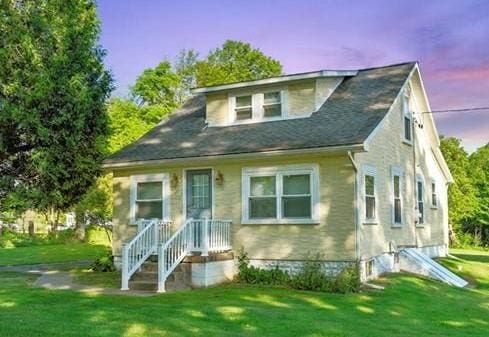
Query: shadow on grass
[473, 257]
[236, 310]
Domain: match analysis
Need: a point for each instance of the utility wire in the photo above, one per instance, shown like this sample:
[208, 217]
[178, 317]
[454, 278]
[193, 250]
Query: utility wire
[485, 108]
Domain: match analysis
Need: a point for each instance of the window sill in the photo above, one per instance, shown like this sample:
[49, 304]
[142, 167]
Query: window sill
[279, 222]
[434, 207]
[396, 225]
[371, 223]
[420, 225]
[407, 142]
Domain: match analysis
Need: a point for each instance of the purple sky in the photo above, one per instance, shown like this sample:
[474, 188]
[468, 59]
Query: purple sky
[450, 39]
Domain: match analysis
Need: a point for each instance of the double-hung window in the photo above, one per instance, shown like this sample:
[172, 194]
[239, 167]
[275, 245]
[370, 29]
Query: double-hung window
[370, 194]
[420, 200]
[244, 107]
[257, 106]
[407, 120]
[148, 197]
[434, 195]
[284, 194]
[272, 104]
[396, 198]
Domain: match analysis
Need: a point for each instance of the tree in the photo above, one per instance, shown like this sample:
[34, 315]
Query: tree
[235, 61]
[461, 193]
[185, 68]
[53, 93]
[479, 173]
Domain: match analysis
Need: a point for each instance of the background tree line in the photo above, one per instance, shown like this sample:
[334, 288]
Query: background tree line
[468, 195]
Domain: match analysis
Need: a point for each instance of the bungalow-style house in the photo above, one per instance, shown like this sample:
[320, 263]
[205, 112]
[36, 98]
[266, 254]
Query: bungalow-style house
[339, 166]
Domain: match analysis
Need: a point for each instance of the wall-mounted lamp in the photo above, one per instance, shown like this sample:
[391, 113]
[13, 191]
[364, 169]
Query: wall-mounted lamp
[174, 181]
[219, 178]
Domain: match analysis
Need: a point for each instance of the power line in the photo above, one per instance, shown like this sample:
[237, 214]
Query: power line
[455, 110]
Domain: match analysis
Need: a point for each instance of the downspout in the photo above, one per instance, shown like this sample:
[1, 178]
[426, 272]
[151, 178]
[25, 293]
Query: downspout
[355, 206]
[415, 180]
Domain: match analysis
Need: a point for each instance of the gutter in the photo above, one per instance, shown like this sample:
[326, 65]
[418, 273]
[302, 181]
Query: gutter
[253, 155]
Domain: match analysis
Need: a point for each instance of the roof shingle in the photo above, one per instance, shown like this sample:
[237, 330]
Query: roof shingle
[347, 118]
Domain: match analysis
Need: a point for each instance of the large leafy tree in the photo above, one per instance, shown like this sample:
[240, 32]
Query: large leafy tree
[53, 92]
[479, 172]
[235, 61]
[462, 199]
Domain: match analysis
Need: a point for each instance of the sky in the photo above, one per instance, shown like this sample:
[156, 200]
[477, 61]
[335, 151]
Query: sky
[449, 38]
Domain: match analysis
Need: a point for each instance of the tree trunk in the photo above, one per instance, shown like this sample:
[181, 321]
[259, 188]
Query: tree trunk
[452, 236]
[31, 228]
[80, 226]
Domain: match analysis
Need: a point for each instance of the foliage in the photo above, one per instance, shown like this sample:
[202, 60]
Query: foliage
[185, 69]
[468, 195]
[104, 264]
[311, 276]
[235, 61]
[53, 93]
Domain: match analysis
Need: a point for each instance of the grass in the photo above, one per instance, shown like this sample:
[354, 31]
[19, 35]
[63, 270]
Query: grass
[51, 253]
[100, 280]
[409, 306]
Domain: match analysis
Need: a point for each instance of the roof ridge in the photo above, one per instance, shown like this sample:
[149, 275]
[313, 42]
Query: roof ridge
[389, 65]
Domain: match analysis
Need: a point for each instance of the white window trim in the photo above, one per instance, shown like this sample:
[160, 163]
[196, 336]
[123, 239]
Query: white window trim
[371, 171]
[161, 177]
[280, 171]
[419, 178]
[433, 182]
[257, 101]
[397, 171]
[407, 113]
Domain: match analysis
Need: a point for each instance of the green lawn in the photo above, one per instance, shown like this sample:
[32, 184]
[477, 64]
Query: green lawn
[409, 306]
[51, 253]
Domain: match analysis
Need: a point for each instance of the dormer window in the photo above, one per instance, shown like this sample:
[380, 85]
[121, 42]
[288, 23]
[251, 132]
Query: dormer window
[244, 107]
[257, 107]
[272, 104]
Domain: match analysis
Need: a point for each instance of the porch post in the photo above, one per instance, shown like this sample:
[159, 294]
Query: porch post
[205, 238]
[125, 267]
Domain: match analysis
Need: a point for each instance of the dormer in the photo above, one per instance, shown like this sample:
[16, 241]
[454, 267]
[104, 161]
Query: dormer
[270, 99]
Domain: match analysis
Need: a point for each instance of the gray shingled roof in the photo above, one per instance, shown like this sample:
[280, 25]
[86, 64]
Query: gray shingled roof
[347, 118]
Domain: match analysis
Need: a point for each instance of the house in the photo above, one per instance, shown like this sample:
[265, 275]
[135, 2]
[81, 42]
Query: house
[341, 166]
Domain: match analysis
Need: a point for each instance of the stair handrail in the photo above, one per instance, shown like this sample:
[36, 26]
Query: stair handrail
[172, 252]
[138, 250]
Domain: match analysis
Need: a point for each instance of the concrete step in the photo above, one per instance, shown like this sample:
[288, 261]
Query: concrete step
[143, 285]
[147, 278]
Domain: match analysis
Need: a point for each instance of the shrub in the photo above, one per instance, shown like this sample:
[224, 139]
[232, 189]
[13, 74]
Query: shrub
[104, 264]
[311, 276]
[10, 239]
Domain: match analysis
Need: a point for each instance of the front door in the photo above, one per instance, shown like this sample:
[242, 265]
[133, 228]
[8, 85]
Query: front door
[199, 194]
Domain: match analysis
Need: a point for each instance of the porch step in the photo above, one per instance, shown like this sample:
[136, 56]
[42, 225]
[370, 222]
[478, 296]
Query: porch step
[147, 278]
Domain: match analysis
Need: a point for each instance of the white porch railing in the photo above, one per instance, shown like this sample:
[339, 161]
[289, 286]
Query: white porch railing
[142, 246]
[202, 235]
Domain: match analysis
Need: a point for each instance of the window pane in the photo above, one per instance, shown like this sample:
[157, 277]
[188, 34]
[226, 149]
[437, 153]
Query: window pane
[200, 191]
[272, 110]
[397, 210]
[149, 190]
[243, 113]
[296, 207]
[272, 97]
[297, 184]
[243, 101]
[369, 185]
[370, 207]
[149, 209]
[263, 207]
[407, 128]
[262, 186]
[420, 191]
[396, 186]
[421, 212]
